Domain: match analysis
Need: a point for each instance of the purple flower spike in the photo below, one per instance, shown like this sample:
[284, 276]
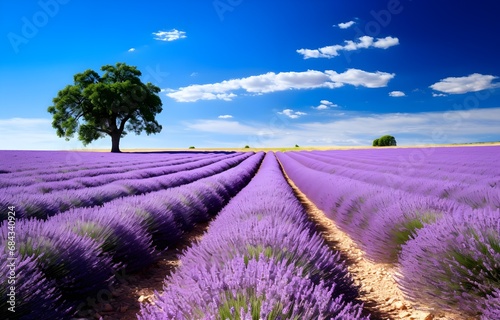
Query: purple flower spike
[75, 264]
[32, 291]
[393, 226]
[260, 289]
[491, 309]
[117, 231]
[454, 264]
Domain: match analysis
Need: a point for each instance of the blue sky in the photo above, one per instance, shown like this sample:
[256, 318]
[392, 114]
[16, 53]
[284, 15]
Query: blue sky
[262, 73]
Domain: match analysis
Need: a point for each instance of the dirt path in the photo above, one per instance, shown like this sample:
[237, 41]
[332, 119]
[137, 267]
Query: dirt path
[133, 289]
[381, 296]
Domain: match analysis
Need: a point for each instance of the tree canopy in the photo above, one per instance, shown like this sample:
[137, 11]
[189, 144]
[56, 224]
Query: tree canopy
[384, 141]
[113, 104]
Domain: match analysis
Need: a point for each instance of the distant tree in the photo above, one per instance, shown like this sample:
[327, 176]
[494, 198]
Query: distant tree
[297, 146]
[387, 141]
[384, 141]
[112, 104]
[247, 146]
[192, 147]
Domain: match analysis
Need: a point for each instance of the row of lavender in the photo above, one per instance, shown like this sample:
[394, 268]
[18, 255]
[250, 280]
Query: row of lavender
[24, 163]
[482, 173]
[447, 251]
[80, 171]
[60, 196]
[23, 168]
[470, 161]
[76, 254]
[260, 259]
[463, 186]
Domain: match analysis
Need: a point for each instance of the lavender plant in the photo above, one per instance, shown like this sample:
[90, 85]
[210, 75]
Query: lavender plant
[454, 264]
[274, 237]
[117, 232]
[75, 264]
[155, 212]
[394, 225]
[33, 292]
[257, 289]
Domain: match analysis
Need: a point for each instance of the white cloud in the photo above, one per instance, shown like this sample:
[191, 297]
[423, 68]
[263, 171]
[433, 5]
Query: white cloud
[194, 74]
[360, 129]
[325, 104]
[450, 124]
[226, 116]
[346, 25]
[273, 82]
[278, 131]
[171, 35]
[25, 123]
[471, 83]
[30, 134]
[313, 53]
[321, 107]
[38, 134]
[226, 127]
[292, 114]
[438, 94]
[386, 42]
[397, 94]
[364, 42]
[131, 50]
[362, 78]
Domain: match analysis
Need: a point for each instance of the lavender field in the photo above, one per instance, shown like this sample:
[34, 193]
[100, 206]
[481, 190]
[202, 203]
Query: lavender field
[72, 221]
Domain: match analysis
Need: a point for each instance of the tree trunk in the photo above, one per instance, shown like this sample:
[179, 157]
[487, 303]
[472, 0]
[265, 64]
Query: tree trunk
[115, 142]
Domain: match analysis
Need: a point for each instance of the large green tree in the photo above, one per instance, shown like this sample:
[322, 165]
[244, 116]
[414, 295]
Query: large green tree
[112, 104]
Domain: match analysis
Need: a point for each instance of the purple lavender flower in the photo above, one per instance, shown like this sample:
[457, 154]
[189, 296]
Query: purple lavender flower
[454, 263]
[259, 289]
[491, 309]
[74, 263]
[117, 231]
[35, 296]
[393, 226]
